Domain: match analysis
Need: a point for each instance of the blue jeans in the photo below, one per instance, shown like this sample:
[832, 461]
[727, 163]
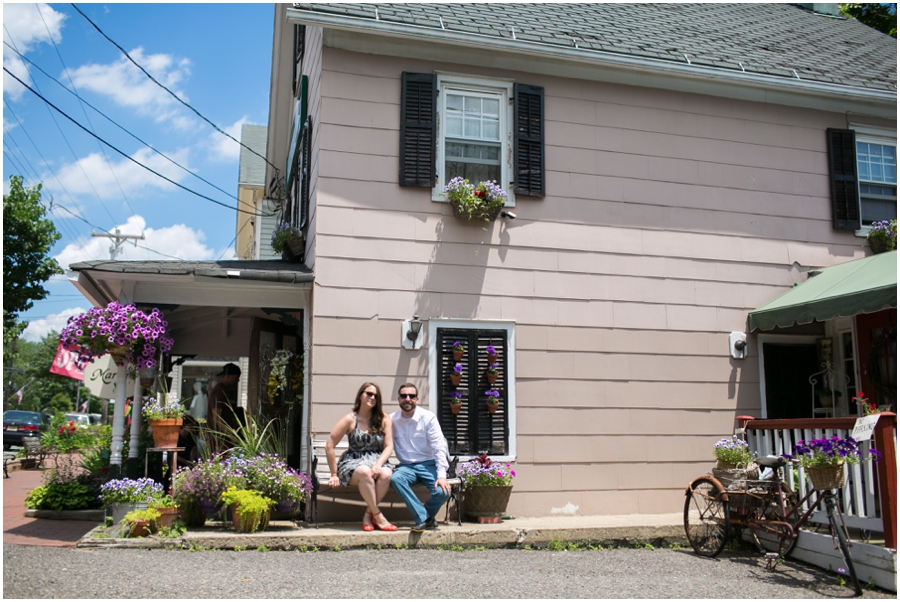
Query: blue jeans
[407, 475]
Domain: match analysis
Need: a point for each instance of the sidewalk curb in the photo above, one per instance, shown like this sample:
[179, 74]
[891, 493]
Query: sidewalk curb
[96, 516]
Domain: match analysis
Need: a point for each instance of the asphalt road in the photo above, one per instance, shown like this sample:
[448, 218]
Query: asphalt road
[40, 572]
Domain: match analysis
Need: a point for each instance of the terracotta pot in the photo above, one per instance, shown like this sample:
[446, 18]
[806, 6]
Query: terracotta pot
[165, 432]
[457, 355]
[455, 407]
[492, 358]
[167, 517]
[139, 528]
[492, 407]
[244, 524]
[455, 378]
[491, 377]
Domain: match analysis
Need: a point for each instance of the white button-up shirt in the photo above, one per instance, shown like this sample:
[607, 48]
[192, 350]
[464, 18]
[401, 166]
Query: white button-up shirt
[420, 439]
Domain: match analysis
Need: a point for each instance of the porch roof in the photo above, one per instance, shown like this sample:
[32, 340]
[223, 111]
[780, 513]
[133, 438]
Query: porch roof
[861, 286]
[269, 271]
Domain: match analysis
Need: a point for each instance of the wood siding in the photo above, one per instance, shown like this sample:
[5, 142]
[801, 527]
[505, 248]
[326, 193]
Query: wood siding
[667, 218]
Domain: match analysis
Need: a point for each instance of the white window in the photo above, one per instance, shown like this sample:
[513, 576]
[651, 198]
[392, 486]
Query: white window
[876, 166]
[474, 132]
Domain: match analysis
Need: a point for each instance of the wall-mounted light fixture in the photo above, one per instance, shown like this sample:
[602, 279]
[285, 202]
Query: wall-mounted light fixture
[507, 214]
[409, 333]
[737, 345]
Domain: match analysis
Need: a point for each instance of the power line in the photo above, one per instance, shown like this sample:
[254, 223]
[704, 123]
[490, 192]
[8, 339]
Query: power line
[135, 161]
[74, 154]
[102, 114]
[175, 96]
[66, 71]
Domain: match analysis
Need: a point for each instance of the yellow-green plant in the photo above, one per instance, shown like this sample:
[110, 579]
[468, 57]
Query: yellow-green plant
[250, 505]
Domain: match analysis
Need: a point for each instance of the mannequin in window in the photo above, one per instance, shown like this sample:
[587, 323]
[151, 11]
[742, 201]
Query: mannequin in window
[198, 403]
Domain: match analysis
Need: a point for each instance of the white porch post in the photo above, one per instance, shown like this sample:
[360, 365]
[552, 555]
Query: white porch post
[136, 420]
[118, 432]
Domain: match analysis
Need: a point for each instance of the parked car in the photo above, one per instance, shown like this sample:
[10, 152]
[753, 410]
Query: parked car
[79, 418]
[19, 424]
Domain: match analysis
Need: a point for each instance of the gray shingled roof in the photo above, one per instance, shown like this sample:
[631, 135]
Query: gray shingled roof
[767, 39]
[269, 271]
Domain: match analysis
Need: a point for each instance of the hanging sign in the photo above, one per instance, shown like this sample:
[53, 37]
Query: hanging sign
[64, 364]
[100, 378]
[864, 427]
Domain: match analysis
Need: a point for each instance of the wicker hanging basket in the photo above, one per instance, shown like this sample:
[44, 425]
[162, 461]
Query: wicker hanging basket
[832, 476]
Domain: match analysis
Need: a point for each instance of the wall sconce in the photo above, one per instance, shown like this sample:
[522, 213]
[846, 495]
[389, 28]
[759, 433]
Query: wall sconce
[409, 333]
[737, 345]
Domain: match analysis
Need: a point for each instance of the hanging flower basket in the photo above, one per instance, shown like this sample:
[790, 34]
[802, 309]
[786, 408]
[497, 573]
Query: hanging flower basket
[831, 476]
[475, 203]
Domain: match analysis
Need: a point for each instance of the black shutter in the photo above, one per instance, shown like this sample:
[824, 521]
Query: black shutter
[299, 47]
[844, 186]
[418, 116]
[306, 150]
[529, 140]
[474, 430]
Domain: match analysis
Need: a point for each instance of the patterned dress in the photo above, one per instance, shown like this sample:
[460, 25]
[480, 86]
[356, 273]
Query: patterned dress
[364, 450]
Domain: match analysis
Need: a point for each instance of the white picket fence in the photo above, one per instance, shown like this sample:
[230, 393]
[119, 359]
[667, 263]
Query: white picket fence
[859, 497]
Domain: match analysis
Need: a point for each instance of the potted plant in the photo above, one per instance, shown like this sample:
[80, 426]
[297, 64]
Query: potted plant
[168, 512]
[249, 509]
[824, 459]
[201, 485]
[493, 400]
[455, 401]
[164, 414]
[867, 408]
[458, 351]
[121, 496]
[456, 375]
[491, 373]
[491, 353]
[479, 202]
[731, 453]
[882, 236]
[139, 523]
[271, 476]
[487, 486]
[123, 331]
[825, 398]
[287, 240]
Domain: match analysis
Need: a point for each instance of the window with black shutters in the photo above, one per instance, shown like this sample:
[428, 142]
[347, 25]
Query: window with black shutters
[863, 169]
[471, 127]
[475, 430]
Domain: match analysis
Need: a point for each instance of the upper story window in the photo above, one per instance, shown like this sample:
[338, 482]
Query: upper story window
[877, 167]
[473, 124]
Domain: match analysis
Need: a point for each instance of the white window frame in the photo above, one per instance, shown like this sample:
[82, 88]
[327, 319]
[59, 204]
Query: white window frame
[434, 369]
[479, 85]
[871, 135]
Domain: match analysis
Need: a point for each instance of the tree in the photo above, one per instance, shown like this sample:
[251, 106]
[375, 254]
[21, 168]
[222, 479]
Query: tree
[882, 17]
[27, 238]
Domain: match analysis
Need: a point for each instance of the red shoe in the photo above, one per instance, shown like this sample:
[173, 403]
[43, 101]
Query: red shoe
[387, 527]
[368, 526]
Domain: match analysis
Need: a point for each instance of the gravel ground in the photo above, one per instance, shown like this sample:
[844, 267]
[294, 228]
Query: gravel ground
[42, 572]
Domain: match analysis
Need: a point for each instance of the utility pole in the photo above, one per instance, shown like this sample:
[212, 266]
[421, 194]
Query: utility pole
[118, 240]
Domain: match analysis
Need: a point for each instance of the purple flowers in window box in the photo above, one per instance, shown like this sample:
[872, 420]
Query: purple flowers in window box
[479, 202]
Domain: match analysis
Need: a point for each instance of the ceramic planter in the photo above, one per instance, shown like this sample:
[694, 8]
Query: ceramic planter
[455, 379]
[492, 407]
[455, 407]
[139, 528]
[165, 432]
[167, 517]
[491, 377]
[457, 355]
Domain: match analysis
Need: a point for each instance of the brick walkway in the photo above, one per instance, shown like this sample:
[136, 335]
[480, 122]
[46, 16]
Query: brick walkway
[35, 531]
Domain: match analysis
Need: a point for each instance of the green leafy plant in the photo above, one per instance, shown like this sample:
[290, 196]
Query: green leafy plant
[282, 234]
[481, 202]
[883, 234]
[732, 451]
[177, 529]
[58, 497]
[262, 549]
[251, 505]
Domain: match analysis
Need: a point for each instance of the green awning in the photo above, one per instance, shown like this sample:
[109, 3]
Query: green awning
[861, 286]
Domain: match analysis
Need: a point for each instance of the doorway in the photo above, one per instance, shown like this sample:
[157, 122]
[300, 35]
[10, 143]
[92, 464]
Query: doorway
[787, 370]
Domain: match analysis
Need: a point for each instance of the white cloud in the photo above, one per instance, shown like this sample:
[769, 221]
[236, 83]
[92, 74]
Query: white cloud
[38, 329]
[107, 178]
[176, 242]
[23, 29]
[222, 148]
[126, 85]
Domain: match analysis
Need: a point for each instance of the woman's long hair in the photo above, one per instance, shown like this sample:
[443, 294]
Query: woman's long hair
[376, 422]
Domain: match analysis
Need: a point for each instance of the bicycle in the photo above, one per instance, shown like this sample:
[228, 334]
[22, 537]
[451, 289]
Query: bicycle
[767, 507]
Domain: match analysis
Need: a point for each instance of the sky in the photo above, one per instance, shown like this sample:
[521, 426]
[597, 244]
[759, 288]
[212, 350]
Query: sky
[214, 57]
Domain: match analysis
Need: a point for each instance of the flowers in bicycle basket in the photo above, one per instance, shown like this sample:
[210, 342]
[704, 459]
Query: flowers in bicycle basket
[867, 408]
[829, 452]
[732, 451]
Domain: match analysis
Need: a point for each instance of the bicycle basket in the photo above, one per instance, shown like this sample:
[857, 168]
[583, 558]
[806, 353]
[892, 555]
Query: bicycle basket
[736, 478]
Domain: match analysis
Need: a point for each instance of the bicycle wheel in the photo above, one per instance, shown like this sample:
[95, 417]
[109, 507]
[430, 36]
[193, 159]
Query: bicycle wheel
[837, 527]
[705, 517]
[773, 538]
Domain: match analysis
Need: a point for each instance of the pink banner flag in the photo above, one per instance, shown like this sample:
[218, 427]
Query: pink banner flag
[64, 364]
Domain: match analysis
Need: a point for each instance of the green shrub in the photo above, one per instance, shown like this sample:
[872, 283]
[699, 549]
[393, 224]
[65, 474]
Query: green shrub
[60, 496]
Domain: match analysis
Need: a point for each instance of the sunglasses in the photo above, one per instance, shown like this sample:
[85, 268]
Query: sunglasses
[369, 394]
[408, 395]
